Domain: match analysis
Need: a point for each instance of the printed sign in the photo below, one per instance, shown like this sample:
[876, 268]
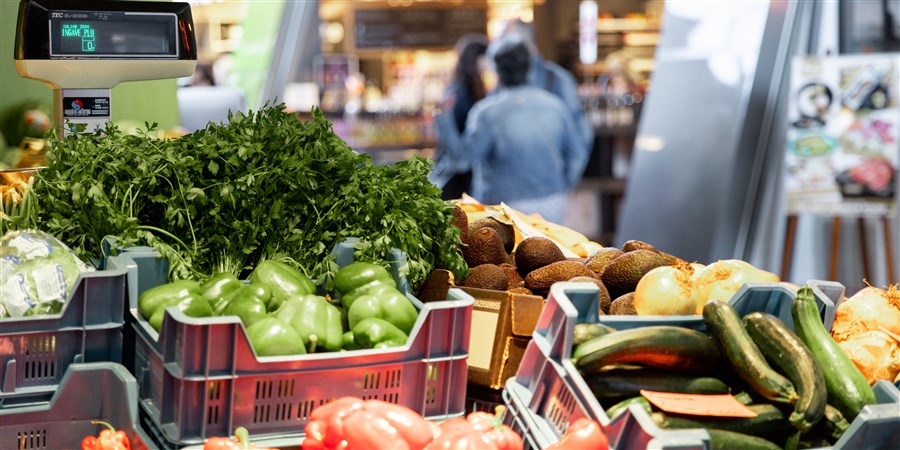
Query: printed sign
[842, 139]
[82, 107]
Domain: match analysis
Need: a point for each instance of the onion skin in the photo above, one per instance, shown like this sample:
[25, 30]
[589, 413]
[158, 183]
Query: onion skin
[666, 291]
[867, 310]
[875, 354]
[722, 279]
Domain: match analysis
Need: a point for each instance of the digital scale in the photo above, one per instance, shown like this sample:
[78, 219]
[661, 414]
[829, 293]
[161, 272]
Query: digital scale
[84, 48]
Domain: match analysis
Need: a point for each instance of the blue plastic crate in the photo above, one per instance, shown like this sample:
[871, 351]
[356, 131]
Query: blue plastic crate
[37, 350]
[199, 377]
[548, 392]
[66, 419]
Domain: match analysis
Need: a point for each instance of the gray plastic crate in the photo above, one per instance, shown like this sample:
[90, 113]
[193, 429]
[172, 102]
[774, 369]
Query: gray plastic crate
[548, 393]
[37, 350]
[66, 419]
[199, 377]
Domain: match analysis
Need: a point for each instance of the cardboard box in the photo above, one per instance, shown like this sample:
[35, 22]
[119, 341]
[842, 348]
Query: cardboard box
[502, 324]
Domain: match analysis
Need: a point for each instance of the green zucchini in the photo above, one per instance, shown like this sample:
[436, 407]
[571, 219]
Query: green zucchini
[835, 422]
[621, 383]
[848, 390]
[723, 322]
[730, 440]
[622, 406]
[784, 349]
[587, 331]
[667, 347]
[769, 420]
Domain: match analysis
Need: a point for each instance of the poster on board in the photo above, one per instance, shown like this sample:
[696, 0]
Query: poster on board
[842, 140]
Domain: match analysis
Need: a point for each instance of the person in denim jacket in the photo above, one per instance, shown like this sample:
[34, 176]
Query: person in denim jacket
[522, 142]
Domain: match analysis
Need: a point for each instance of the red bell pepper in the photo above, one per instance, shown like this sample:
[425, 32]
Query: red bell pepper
[583, 434]
[241, 441]
[352, 423]
[479, 430]
[109, 439]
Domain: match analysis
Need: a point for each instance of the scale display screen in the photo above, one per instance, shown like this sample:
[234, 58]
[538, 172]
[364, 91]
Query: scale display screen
[86, 34]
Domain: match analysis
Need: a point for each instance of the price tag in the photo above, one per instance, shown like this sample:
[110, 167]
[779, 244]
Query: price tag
[699, 405]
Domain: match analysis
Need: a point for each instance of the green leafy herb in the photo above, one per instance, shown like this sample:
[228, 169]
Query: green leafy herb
[264, 185]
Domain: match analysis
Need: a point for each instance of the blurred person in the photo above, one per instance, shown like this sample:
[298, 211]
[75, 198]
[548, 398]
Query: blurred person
[522, 142]
[550, 76]
[452, 172]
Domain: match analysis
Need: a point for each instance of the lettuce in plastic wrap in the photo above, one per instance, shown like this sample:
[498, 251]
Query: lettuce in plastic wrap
[37, 273]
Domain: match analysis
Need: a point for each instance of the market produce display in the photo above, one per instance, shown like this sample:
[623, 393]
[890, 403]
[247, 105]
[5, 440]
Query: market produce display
[240, 441]
[38, 273]
[802, 389]
[283, 315]
[262, 186]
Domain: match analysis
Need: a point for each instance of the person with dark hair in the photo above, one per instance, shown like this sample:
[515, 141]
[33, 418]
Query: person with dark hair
[550, 76]
[452, 172]
[524, 146]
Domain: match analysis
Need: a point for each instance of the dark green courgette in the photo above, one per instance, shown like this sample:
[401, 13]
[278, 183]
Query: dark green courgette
[587, 331]
[663, 346]
[768, 420]
[786, 352]
[730, 440]
[723, 322]
[620, 407]
[848, 390]
[621, 383]
[835, 422]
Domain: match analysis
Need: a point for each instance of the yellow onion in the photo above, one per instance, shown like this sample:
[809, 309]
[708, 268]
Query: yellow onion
[867, 310]
[875, 354]
[666, 290]
[722, 279]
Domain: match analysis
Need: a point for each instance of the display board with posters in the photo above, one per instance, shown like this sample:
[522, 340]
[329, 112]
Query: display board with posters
[842, 140]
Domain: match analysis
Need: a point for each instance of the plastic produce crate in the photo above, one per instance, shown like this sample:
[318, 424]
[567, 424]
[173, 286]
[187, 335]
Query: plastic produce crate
[199, 377]
[66, 419]
[548, 393]
[37, 350]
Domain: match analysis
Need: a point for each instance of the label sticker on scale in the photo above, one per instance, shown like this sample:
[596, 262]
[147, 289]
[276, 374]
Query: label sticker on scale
[85, 107]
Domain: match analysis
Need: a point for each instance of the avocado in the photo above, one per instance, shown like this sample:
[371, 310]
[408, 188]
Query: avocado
[484, 247]
[486, 276]
[521, 290]
[512, 275]
[536, 252]
[634, 244]
[598, 260]
[507, 234]
[461, 221]
[604, 293]
[623, 305]
[623, 273]
[540, 280]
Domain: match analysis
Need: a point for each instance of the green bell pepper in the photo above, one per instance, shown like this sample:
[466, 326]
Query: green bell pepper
[252, 291]
[219, 286]
[358, 274]
[284, 281]
[378, 333]
[317, 321]
[348, 342]
[275, 337]
[249, 309]
[152, 298]
[384, 302]
[192, 305]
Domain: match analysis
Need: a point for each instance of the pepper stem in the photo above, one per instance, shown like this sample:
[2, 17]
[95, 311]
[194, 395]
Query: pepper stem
[499, 411]
[313, 339]
[243, 437]
[106, 424]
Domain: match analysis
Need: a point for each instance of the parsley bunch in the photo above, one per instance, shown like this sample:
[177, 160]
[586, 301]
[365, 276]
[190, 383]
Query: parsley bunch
[263, 185]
